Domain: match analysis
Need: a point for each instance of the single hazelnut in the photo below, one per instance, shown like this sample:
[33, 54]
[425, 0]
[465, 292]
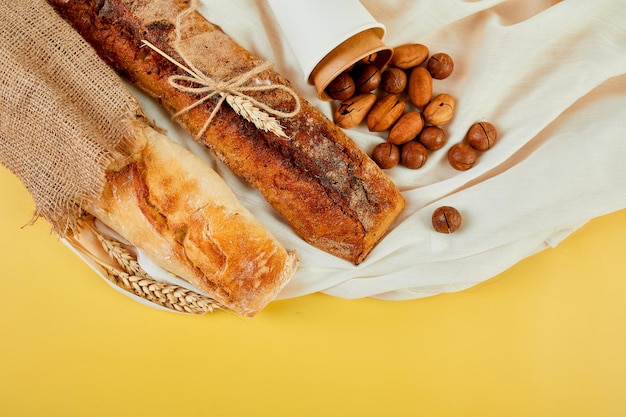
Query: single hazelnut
[432, 137]
[342, 87]
[367, 78]
[386, 155]
[393, 80]
[440, 66]
[482, 136]
[413, 155]
[462, 156]
[446, 219]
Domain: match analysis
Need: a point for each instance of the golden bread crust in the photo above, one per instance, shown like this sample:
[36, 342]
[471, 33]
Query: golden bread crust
[173, 206]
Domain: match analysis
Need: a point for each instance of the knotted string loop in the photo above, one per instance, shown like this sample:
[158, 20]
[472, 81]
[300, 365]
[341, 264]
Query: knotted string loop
[234, 91]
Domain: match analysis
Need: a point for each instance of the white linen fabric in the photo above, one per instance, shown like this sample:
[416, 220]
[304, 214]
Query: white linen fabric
[551, 76]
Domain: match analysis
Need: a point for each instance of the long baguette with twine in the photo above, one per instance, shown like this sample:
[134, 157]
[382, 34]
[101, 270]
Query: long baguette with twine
[233, 91]
[129, 276]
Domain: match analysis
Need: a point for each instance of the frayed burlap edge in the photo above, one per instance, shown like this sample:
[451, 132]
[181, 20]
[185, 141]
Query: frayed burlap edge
[64, 115]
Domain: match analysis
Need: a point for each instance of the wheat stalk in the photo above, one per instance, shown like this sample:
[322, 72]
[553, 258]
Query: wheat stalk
[164, 294]
[116, 251]
[246, 109]
[131, 277]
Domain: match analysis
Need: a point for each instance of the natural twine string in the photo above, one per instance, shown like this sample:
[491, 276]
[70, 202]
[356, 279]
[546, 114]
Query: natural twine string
[233, 91]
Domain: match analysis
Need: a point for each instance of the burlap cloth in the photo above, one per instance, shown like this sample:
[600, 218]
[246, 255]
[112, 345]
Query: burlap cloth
[65, 115]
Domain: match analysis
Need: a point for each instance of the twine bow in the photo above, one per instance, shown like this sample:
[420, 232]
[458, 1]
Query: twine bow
[233, 91]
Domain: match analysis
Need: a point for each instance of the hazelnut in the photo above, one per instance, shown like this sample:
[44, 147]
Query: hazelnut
[393, 81]
[446, 219]
[408, 126]
[367, 78]
[482, 136]
[385, 112]
[413, 155]
[342, 87]
[432, 137]
[440, 66]
[440, 110]
[386, 155]
[462, 156]
[409, 56]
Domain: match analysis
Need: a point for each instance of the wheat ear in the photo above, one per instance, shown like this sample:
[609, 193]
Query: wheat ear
[131, 277]
[246, 109]
[164, 294]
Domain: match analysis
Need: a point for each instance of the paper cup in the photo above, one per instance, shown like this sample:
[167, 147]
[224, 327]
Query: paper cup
[330, 36]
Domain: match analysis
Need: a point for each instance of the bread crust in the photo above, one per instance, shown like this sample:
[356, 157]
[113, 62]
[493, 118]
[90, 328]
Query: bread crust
[326, 188]
[172, 205]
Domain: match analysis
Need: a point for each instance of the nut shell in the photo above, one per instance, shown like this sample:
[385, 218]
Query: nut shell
[342, 87]
[370, 59]
[462, 156]
[413, 155]
[353, 111]
[385, 112]
[367, 78]
[440, 110]
[420, 87]
[482, 136]
[432, 137]
[409, 55]
[440, 65]
[386, 155]
[393, 81]
[446, 219]
[408, 126]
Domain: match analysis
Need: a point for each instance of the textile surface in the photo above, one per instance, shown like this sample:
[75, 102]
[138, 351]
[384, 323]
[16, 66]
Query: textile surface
[551, 76]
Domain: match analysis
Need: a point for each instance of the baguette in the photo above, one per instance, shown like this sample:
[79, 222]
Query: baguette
[171, 204]
[326, 188]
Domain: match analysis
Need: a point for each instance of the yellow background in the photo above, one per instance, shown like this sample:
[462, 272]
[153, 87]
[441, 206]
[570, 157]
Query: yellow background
[545, 338]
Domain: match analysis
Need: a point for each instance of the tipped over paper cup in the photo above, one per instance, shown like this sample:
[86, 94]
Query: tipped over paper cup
[329, 36]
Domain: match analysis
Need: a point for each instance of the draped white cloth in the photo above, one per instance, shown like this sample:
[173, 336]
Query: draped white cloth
[551, 76]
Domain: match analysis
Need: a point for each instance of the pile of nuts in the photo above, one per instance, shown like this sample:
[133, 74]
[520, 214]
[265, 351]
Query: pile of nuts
[399, 100]
[480, 137]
